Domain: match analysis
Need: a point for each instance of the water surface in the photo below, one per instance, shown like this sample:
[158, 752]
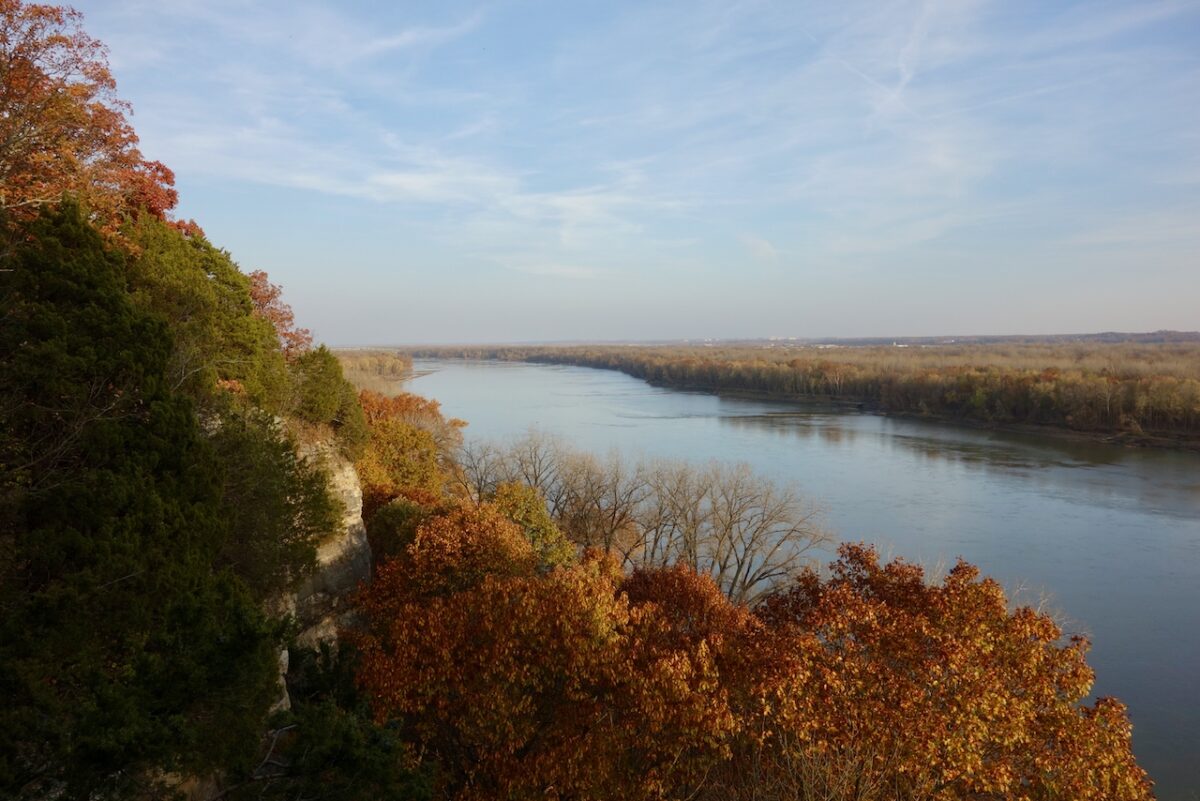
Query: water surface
[1105, 536]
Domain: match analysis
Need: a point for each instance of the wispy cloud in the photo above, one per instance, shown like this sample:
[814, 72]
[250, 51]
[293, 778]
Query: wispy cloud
[688, 138]
[419, 37]
[760, 248]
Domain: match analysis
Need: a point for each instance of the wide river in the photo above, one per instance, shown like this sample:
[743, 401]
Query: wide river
[1107, 537]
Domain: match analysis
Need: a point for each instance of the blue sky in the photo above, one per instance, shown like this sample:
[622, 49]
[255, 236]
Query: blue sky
[506, 171]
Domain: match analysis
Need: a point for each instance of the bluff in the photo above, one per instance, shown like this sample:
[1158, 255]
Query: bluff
[320, 603]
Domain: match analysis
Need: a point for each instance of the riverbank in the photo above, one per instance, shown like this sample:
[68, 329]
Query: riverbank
[842, 403]
[865, 406]
[1143, 395]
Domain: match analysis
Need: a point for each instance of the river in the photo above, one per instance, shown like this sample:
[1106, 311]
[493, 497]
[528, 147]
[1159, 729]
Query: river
[1107, 537]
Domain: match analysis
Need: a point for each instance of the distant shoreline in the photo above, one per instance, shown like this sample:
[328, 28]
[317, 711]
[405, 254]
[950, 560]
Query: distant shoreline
[843, 405]
[867, 406]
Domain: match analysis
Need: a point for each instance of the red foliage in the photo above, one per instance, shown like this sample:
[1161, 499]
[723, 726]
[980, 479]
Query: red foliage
[269, 304]
[63, 131]
[150, 186]
[189, 228]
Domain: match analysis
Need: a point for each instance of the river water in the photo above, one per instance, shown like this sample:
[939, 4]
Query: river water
[1106, 537]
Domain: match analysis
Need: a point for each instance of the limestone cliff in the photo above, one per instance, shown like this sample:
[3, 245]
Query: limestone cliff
[343, 558]
[320, 604]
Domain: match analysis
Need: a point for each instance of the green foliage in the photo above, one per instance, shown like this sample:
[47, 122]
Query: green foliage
[525, 506]
[122, 646]
[276, 504]
[323, 397]
[327, 745]
[206, 302]
[318, 386]
[392, 527]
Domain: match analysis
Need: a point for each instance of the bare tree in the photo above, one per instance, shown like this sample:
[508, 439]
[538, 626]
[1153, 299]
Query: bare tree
[600, 500]
[742, 529]
[534, 460]
[674, 516]
[481, 468]
[758, 534]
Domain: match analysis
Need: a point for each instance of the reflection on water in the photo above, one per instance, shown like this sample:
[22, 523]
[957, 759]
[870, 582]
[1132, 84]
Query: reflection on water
[798, 424]
[1108, 535]
[1172, 490]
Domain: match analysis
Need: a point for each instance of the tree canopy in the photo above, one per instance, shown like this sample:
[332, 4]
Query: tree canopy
[123, 645]
[62, 128]
[870, 683]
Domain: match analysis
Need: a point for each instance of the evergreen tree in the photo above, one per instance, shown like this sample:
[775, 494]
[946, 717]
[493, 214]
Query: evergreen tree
[206, 301]
[125, 649]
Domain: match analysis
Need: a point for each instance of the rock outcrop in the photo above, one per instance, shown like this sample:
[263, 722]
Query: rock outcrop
[343, 558]
[320, 604]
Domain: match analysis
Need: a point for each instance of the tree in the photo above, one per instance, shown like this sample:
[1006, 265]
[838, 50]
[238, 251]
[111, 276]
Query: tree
[269, 305]
[744, 530]
[125, 648]
[520, 683]
[754, 535]
[392, 527]
[598, 502]
[398, 459]
[276, 504]
[928, 691]
[523, 505]
[322, 397]
[219, 340]
[871, 684]
[407, 450]
[62, 128]
[418, 412]
[326, 745]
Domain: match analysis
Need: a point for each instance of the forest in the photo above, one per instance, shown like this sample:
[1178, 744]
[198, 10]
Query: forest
[374, 369]
[1137, 392]
[536, 623]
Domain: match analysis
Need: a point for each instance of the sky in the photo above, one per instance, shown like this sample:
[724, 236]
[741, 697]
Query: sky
[538, 171]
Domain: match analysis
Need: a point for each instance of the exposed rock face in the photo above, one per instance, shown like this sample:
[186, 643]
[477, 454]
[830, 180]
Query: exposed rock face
[343, 559]
[343, 562]
[320, 604]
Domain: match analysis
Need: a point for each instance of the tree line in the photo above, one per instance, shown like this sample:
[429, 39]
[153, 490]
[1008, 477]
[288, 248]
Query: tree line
[377, 370]
[1146, 391]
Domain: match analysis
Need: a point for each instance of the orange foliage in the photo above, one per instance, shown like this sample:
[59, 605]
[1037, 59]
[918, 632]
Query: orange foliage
[407, 452]
[938, 691]
[418, 412]
[524, 684]
[695, 613]
[404, 405]
[869, 684]
[398, 460]
[62, 129]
